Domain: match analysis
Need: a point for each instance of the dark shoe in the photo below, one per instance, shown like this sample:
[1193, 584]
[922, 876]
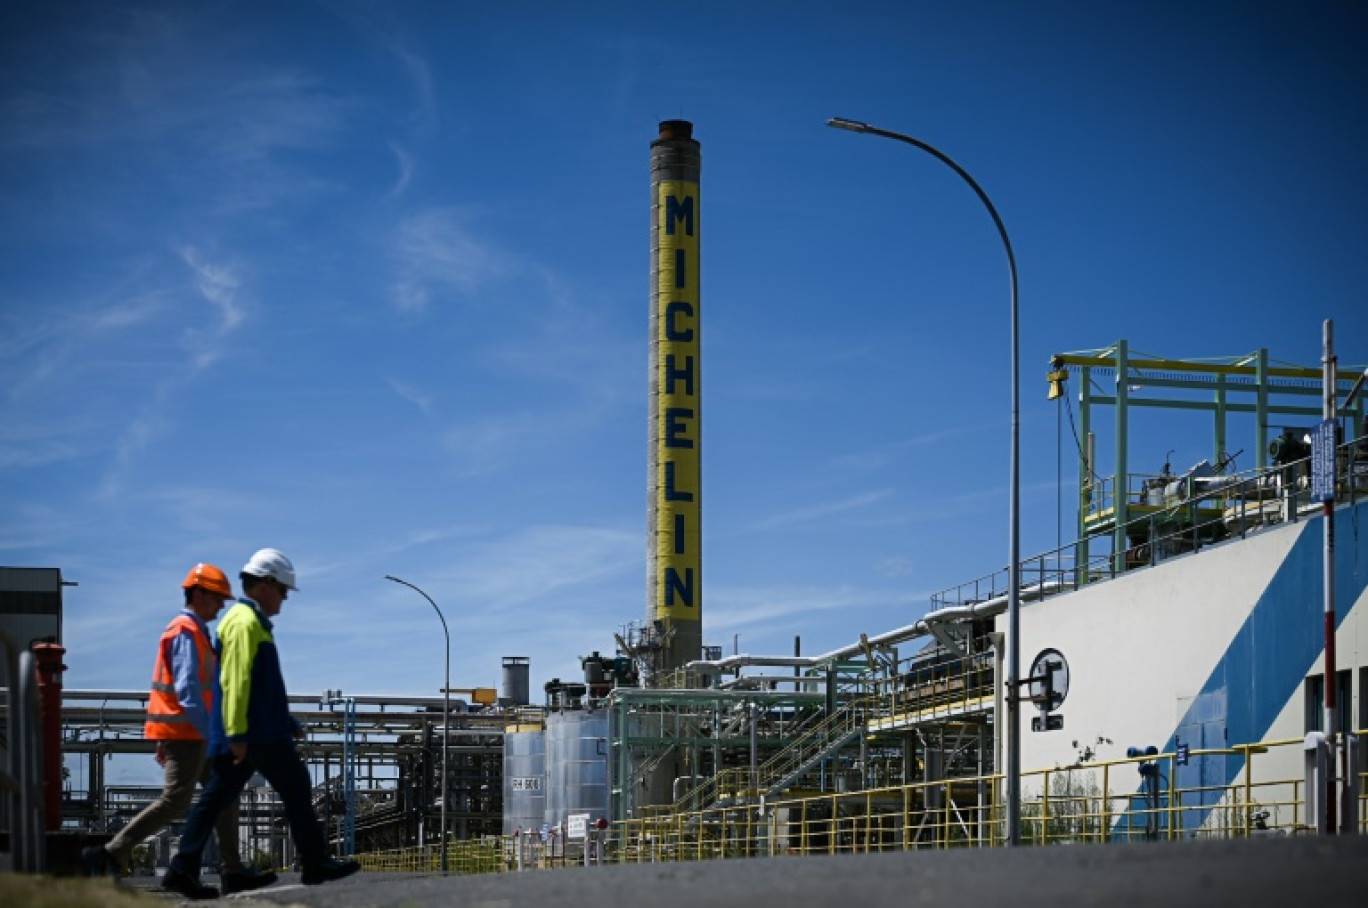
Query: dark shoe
[187, 885]
[245, 881]
[95, 861]
[331, 869]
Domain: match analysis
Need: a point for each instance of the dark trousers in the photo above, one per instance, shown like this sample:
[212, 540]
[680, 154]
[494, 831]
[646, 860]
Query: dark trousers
[279, 763]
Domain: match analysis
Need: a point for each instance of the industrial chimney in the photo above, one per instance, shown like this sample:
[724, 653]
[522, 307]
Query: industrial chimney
[674, 557]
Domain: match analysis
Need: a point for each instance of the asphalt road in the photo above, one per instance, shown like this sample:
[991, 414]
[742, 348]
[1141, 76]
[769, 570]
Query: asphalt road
[1275, 871]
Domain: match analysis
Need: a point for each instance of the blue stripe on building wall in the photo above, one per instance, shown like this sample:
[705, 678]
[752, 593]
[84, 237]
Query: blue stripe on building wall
[1264, 666]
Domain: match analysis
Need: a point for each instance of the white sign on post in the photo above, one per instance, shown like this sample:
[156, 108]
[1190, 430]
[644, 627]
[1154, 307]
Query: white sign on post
[576, 825]
[1323, 461]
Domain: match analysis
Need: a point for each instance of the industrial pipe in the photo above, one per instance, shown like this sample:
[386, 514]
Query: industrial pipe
[49, 667]
[985, 609]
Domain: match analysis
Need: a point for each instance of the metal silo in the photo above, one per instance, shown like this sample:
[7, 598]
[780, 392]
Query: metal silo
[524, 781]
[576, 765]
[515, 683]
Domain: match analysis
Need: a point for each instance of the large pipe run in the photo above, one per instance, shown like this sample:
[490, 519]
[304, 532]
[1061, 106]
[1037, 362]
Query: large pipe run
[985, 609]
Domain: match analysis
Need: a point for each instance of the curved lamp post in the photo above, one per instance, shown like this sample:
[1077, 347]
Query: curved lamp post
[446, 711]
[1013, 768]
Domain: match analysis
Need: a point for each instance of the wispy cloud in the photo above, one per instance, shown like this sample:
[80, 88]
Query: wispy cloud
[384, 548]
[819, 511]
[135, 436]
[34, 446]
[152, 74]
[436, 250]
[40, 338]
[413, 395]
[878, 456]
[424, 89]
[258, 113]
[404, 160]
[539, 563]
[216, 127]
[482, 444]
[219, 285]
[376, 24]
[35, 525]
[738, 608]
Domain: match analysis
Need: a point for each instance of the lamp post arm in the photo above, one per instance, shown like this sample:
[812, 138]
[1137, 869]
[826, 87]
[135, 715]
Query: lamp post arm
[857, 126]
[446, 710]
[440, 616]
[1013, 736]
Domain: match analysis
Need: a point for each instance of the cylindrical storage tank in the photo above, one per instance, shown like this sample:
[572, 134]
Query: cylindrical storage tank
[524, 780]
[576, 765]
[515, 686]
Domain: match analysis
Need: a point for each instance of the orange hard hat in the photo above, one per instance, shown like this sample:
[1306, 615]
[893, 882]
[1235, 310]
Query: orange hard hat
[208, 577]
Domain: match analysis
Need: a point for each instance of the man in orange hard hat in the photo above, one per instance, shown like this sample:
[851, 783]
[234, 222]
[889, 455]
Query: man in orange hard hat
[179, 707]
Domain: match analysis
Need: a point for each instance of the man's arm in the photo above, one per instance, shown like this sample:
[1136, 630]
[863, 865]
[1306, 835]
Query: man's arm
[185, 667]
[237, 653]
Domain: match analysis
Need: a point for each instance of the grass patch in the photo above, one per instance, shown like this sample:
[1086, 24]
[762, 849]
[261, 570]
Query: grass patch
[33, 891]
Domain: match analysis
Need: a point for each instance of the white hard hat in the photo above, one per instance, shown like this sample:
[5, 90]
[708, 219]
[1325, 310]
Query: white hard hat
[271, 563]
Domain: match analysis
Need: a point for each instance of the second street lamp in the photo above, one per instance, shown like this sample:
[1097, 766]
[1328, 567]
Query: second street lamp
[446, 711]
[1013, 768]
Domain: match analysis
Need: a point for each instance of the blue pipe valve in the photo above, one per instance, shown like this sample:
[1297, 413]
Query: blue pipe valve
[1149, 774]
[1148, 768]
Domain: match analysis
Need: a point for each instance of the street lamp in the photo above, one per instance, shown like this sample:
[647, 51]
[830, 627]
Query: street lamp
[1013, 774]
[446, 711]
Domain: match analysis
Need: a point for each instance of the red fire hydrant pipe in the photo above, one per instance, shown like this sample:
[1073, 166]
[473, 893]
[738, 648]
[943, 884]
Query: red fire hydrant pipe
[49, 666]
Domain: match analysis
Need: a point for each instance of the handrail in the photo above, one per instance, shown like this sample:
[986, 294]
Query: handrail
[850, 717]
[1090, 802]
[1085, 803]
[1186, 518]
[772, 770]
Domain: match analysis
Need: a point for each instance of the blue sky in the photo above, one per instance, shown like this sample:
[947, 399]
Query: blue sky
[368, 282]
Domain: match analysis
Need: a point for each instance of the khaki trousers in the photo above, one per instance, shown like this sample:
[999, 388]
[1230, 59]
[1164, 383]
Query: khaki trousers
[185, 766]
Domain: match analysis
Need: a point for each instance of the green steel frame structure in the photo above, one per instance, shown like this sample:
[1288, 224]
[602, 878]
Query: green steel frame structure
[1243, 384]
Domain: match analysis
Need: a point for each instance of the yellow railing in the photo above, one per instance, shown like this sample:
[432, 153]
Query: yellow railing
[1104, 801]
[1094, 802]
[914, 695]
[488, 855]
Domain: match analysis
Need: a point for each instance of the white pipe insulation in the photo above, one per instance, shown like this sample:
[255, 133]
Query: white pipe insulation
[985, 609]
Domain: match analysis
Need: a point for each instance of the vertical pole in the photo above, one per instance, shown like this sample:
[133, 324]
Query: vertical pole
[1014, 559]
[446, 711]
[1261, 411]
[754, 745]
[1328, 518]
[349, 773]
[446, 740]
[1219, 455]
[1087, 491]
[1014, 476]
[1121, 482]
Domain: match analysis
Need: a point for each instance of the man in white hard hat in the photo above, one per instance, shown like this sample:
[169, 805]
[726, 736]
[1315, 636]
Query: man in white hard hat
[255, 733]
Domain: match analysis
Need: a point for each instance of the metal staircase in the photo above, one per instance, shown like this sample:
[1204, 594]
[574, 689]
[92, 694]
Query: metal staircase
[775, 775]
[823, 741]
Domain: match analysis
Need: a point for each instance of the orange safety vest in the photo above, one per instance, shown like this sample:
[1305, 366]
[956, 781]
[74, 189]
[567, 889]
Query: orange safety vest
[166, 721]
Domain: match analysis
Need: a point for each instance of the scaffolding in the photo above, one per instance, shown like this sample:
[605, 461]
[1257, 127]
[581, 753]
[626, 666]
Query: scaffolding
[1133, 509]
[380, 754]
